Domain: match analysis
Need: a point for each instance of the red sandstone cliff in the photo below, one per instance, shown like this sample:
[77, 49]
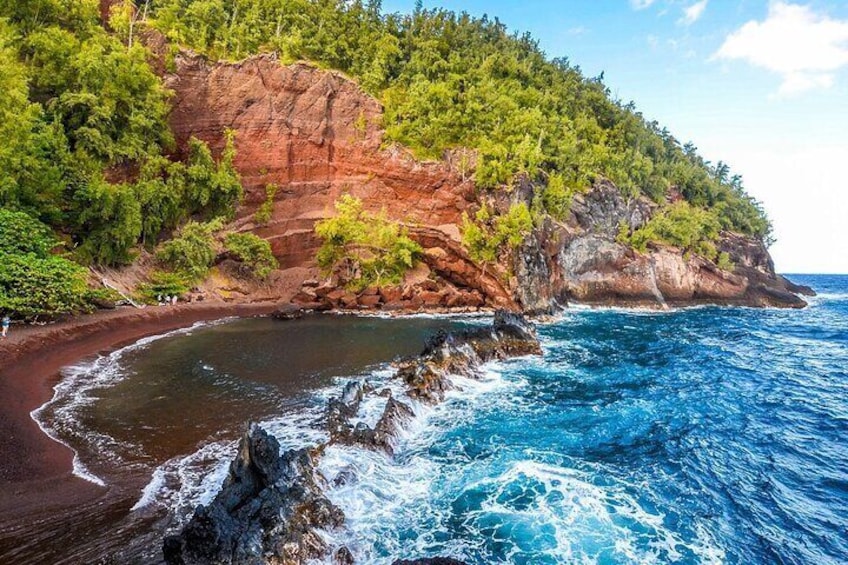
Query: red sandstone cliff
[316, 135]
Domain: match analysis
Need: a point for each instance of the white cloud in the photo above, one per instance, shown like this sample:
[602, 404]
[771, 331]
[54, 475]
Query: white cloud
[796, 83]
[694, 12]
[641, 4]
[804, 47]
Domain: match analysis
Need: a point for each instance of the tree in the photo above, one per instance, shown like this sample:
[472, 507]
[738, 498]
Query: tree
[366, 249]
[193, 251]
[253, 251]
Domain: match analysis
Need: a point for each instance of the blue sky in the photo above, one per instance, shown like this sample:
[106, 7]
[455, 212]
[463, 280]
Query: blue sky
[760, 84]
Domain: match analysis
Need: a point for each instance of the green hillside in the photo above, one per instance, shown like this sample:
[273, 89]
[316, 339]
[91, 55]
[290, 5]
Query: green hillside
[84, 140]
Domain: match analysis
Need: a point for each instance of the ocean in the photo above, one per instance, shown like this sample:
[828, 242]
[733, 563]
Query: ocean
[704, 435]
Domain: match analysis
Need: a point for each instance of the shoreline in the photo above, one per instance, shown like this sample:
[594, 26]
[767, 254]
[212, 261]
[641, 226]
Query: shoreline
[37, 468]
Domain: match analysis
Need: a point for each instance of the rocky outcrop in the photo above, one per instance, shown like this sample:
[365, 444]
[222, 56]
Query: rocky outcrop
[268, 510]
[581, 261]
[462, 353]
[272, 509]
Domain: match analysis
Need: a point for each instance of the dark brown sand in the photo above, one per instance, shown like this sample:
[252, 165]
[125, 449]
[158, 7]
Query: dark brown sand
[36, 478]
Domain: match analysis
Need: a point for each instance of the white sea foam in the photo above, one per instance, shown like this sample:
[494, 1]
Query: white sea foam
[183, 482]
[387, 491]
[57, 417]
[402, 505]
[825, 297]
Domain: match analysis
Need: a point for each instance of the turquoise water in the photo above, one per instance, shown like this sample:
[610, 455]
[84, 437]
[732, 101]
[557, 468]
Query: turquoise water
[710, 435]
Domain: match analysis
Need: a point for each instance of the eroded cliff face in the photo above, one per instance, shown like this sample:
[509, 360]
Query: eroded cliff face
[316, 135]
[580, 260]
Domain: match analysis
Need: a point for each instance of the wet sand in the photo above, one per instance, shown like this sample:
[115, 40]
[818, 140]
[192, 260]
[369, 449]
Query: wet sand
[36, 477]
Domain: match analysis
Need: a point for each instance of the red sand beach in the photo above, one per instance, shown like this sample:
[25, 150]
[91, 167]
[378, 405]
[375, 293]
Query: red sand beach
[36, 472]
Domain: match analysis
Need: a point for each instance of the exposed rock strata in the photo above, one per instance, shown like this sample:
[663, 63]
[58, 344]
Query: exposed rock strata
[316, 135]
[271, 508]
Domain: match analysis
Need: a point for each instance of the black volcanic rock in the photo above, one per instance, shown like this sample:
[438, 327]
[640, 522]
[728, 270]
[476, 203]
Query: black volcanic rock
[462, 353]
[269, 506]
[288, 312]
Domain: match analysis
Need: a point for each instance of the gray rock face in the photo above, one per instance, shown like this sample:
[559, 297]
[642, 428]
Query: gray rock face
[581, 261]
[603, 209]
[539, 289]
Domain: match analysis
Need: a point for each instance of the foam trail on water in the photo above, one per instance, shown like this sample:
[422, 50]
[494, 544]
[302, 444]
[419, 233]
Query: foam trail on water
[183, 482]
[57, 417]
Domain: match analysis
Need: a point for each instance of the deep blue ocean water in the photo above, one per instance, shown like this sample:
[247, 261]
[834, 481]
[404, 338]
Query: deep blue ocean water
[707, 435]
[711, 435]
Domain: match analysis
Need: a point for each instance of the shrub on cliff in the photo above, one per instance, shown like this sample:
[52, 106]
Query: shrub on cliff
[266, 209]
[365, 249]
[488, 235]
[253, 251]
[557, 196]
[693, 229]
[193, 251]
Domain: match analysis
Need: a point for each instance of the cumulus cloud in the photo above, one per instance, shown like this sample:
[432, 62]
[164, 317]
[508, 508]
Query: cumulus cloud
[804, 47]
[694, 12]
[641, 4]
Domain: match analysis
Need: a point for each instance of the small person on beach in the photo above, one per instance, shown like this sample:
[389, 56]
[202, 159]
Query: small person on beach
[6, 322]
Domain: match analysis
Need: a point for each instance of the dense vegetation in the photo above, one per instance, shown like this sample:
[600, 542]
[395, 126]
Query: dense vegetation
[198, 245]
[83, 143]
[364, 249]
[692, 229]
[33, 280]
[450, 80]
[488, 235]
[85, 147]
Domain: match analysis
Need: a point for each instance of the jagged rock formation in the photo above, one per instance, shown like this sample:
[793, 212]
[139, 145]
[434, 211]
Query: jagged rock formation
[591, 267]
[268, 510]
[271, 507]
[316, 135]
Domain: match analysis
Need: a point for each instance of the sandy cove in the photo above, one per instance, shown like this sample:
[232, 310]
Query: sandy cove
[37, 471]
